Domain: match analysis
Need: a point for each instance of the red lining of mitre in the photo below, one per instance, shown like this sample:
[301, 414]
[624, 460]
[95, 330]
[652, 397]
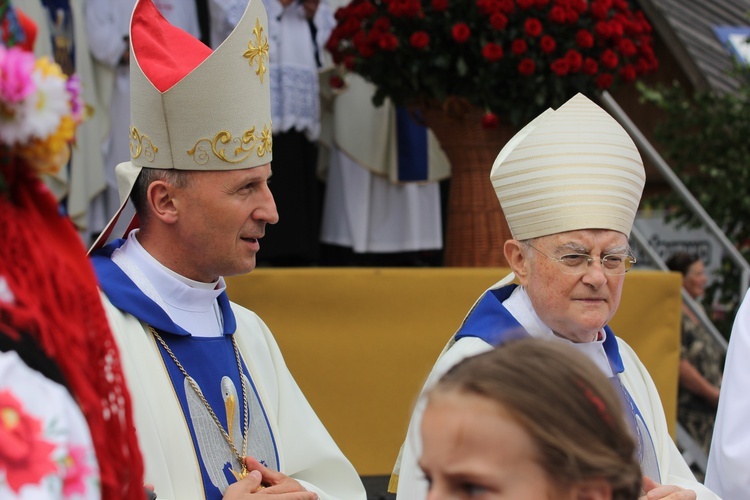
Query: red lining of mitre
[165, 53]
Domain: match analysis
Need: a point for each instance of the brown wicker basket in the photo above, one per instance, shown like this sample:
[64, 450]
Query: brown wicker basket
[476, 227]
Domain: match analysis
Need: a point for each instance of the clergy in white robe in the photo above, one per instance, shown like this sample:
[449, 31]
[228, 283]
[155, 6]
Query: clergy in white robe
[569, 184]
[209, 384]
[179, 440]
[377, 200]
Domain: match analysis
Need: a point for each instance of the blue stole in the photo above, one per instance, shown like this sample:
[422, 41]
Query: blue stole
[412, 147]
[212, 364]
[491, 322]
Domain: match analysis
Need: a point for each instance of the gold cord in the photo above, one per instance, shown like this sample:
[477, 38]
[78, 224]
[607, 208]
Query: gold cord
[240, 458]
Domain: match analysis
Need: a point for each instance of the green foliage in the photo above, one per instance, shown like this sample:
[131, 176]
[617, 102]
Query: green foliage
[706, 139]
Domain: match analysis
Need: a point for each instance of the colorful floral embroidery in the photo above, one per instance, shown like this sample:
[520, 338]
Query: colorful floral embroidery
[77, 471]
[25, 457]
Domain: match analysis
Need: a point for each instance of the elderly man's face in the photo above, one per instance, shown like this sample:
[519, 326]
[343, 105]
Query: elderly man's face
[574, 306]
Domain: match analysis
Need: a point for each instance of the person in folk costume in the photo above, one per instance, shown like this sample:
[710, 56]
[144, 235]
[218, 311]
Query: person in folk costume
[569, 184]
[209, 382]
[66, 426]
[62, 37]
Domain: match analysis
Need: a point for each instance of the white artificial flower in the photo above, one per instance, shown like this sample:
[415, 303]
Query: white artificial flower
[46, 106]
[12, 119]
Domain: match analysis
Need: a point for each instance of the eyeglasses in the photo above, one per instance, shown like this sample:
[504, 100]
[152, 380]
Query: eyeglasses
[578, 263]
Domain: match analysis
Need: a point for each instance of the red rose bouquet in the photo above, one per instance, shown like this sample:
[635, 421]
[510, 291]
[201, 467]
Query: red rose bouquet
[508, 57]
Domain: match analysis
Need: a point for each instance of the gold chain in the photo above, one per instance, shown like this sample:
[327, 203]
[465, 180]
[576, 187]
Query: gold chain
[240, 458]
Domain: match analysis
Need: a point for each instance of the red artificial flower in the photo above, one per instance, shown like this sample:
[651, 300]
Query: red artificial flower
[590, 66]
[575, 60]
[492, 51]
[609, 59]
[547, 44]
[627, 47]
[336, 82]
[542, 3]
[461, 32]
[351, 27]
[374, 36]
[349, 62]
[628, 73]
[364, 10]
[571, 16]
[439, 5]
[405, 8]
[333, 43]
[621, 5]
[341, 13]
[560, 66]
[359, 39]
[604, 81]
[584, 39]
[532, 27]
[498, 21]
[381, 24]
[419, 39]
[488, 6]
[388, 41]
[557, 15]
[527, 66]
[616, 28]
[518, 47]
[525, 4]
[490, 120]
[580, 6]
[507, 6]
[25, 456]
[603, 29]
[598, 10]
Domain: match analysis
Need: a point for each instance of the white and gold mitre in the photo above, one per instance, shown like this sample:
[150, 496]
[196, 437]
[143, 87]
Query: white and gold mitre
[192, 108]
[569, 169]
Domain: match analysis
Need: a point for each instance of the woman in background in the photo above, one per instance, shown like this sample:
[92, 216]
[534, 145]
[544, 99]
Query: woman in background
[494, 429]
[701, 357]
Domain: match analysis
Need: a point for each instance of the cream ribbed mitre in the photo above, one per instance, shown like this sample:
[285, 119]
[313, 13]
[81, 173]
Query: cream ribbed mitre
[569, 169]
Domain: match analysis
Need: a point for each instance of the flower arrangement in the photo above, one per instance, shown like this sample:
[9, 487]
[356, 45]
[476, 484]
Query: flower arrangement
[508, 57]
[40, 108]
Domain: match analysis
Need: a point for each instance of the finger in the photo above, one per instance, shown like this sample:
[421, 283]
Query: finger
[669, 492]
[270, 476]
[245, 486]
[253, 480]
[648, 484]
[679, 495]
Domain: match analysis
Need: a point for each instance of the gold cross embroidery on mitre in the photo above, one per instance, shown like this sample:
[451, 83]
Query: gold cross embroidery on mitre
[259, 50]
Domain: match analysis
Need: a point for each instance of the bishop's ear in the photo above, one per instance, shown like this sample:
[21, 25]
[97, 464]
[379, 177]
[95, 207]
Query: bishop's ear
[161, 201]
[515, 254]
